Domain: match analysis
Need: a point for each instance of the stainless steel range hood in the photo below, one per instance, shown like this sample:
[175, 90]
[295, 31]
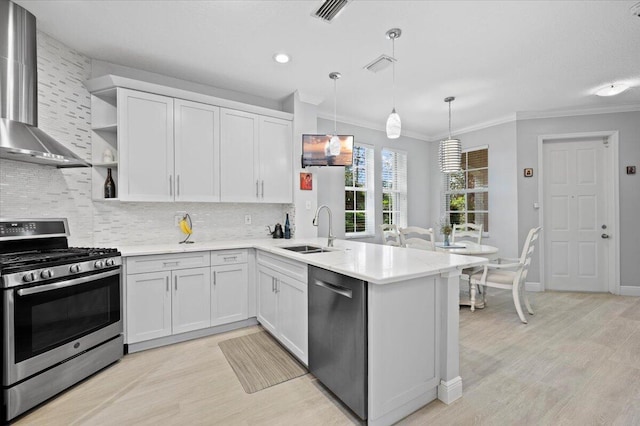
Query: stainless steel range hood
[20, 138]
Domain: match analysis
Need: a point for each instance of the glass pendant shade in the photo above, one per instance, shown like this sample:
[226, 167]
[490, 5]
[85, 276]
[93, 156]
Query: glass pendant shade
[394, 125]
[334, 145]
[450, 155]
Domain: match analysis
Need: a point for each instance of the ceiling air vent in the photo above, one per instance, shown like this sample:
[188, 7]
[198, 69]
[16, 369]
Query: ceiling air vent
[329, 9]
[380, 63]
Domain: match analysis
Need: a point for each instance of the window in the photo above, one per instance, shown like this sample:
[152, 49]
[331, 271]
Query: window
[467, 192]
[394, 187]
[358, 193]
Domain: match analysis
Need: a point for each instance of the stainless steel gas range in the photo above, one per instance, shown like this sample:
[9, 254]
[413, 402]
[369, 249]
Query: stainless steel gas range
[61, 316]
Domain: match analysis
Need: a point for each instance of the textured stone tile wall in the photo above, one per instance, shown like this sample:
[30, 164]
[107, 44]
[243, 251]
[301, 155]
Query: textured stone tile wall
[32, 190]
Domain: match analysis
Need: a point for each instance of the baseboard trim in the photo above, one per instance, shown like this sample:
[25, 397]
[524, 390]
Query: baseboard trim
[450, 391]
[629, 290]
[183, 337]
[531, 286]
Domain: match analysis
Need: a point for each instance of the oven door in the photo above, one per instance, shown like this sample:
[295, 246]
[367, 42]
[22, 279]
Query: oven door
[50, 323]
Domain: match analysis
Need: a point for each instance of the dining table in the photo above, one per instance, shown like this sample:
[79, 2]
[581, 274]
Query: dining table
[469, 248]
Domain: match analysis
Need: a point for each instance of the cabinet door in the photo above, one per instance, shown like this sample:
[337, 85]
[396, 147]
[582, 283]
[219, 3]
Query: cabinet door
[229, 297]
[197, 151]
[293, 316]
[238, 156]
[191, 299]
[267, 299]
[276, 162]
[145, 139]
[148, 306]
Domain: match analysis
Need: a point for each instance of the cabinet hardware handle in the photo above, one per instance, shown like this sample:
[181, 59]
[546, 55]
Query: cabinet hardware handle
[214, 277]
[170, 263]
[178, 185]
[167, 284]
[230, 258]
[257, 181]
[175, 282]
[263, 189]
[273, 284]
[170, 185]
[277, 286]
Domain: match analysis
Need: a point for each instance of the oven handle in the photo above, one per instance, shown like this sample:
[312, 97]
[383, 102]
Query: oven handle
[63, 284]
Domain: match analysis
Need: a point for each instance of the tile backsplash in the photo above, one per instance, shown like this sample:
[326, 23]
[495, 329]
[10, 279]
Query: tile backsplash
[33, 190]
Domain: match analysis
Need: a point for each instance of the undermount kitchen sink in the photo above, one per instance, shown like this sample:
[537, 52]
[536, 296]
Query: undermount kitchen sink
[307, 249]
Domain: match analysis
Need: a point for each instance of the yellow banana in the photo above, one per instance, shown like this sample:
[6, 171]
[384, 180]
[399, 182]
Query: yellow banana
[184, 226]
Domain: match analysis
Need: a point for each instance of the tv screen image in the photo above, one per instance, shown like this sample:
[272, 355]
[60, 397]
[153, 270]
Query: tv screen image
[315, 151]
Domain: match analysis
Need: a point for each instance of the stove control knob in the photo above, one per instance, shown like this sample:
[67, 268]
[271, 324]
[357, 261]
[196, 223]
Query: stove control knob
[74, 268]
[109, 262]
[99, 264]
[29, 276]
[47, 273]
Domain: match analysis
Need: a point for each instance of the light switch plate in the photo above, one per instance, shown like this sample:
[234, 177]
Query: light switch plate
[247, 219]
[308, 205]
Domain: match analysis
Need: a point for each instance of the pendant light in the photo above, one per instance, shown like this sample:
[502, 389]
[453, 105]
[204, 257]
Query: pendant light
[334, 142]
[394, 125]
[450, 149]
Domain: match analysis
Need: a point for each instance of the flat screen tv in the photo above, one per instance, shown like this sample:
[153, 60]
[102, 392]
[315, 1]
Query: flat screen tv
[315, 151]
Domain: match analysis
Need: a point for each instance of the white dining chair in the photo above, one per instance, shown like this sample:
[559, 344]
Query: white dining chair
[417, 237]
[467, 231]
[390, 235]
[510, 275]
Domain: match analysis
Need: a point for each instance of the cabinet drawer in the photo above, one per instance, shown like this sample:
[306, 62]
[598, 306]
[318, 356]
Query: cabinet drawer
[228, 257]
[291, 268]
[166, 262]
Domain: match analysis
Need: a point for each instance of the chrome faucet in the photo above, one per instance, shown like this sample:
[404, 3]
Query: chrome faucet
[315, 223]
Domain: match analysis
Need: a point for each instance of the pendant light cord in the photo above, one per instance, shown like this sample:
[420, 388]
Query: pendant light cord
[393, 73]
[449, 119]
[335, 107]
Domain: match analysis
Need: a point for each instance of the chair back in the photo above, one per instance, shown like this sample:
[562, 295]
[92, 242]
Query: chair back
[417, 237]
[390, 235]
[467, 231]
[527, 252]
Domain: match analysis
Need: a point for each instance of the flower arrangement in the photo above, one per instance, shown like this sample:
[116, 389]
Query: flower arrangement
[445, 229]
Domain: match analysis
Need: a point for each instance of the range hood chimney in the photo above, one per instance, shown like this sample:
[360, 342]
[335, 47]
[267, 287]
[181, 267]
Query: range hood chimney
[20, 138]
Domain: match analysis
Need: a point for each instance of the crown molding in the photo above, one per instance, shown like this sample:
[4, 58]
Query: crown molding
[484, 125]
[373, 126]
[532, 115]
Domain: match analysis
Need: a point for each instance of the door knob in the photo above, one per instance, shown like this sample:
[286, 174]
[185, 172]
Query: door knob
[605, 236]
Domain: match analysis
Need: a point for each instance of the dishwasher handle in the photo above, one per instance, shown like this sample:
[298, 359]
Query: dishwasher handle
[343, 291]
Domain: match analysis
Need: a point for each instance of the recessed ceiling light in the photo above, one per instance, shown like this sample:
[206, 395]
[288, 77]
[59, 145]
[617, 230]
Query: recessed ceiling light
[612, 89]
[281, 58]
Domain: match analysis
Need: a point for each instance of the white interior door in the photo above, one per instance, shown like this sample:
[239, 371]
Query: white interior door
[575, 215]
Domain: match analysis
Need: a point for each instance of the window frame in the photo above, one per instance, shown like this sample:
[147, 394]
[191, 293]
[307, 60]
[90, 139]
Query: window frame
[466, 191]
[399, 192]
[369, 191]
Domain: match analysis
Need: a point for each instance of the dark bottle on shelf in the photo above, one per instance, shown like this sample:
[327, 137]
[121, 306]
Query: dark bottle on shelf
[109, 186]
[287, 228]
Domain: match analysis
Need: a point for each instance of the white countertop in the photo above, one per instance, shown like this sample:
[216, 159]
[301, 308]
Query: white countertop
[375, 263]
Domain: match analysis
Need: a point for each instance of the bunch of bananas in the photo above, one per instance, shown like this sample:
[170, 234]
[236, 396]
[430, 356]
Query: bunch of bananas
[184, 226]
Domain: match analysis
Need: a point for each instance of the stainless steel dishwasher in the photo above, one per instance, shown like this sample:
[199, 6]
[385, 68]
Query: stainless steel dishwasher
[338, 336]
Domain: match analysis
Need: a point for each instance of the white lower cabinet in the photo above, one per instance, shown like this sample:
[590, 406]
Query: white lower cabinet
[282, 302]
[229, 298]
[170, 294]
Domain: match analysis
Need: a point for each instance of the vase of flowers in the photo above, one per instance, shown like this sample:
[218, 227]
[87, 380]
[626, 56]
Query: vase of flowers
[445, 229]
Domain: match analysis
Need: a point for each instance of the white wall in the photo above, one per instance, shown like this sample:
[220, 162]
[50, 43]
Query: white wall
[419, 162]
[628, 124]
[503, 189]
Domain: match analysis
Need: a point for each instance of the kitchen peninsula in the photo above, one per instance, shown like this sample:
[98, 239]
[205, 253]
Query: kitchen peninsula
[412, 305]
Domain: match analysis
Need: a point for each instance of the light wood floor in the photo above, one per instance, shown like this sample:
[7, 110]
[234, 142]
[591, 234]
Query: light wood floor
[577, 362]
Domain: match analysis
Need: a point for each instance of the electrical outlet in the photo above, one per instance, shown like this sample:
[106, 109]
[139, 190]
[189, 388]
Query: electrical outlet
[247, 219]
[308, 205]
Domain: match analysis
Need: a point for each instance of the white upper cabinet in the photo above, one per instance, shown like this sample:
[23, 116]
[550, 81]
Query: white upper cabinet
[145, 123]
[256, 158]
[173, 145]
[276, 165]
[197, 147]
[239, 180]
